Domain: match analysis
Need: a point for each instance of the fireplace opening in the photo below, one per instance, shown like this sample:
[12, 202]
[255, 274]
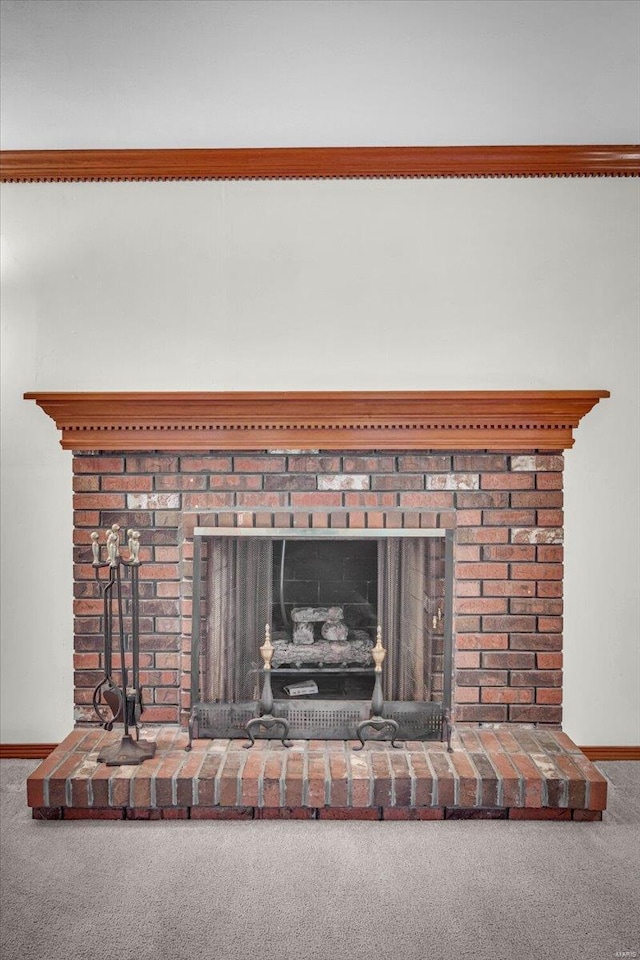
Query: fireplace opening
[323, 594]
[325, 614]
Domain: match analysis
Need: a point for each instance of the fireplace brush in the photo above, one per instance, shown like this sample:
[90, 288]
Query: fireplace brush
[123, 699]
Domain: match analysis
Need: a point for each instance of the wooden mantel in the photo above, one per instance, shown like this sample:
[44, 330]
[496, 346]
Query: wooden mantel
[502, 420]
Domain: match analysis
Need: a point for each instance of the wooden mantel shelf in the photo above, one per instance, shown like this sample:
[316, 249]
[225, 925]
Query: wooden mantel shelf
[510, 420]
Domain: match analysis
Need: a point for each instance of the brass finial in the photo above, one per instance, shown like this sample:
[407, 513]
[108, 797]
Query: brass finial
[95, 548]
[266, 650]
[113, 545]
[378, 653]
[134, 547]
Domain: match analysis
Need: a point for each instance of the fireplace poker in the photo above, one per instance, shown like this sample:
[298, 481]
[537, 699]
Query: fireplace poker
[106, 688]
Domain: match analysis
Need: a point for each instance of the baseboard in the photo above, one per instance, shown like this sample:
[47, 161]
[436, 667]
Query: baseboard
[26, 751]
[611, 753]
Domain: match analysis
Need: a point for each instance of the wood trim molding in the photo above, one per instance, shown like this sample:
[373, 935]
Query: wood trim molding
[291, 163]
[502, 420]
[26, 751]
[611, 753]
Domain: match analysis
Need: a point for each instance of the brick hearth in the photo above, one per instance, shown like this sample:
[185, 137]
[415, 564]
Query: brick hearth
[515, 773]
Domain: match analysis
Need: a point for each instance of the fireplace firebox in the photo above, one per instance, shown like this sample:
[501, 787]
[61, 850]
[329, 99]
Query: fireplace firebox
[323, 593]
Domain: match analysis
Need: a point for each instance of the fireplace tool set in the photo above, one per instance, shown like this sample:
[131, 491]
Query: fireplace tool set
[124, 699]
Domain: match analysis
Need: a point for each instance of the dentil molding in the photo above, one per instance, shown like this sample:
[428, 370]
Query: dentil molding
[319, 163]
[501, 420]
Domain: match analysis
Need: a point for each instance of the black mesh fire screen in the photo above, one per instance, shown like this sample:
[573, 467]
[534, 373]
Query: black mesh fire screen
[323, 595]
[238, 607]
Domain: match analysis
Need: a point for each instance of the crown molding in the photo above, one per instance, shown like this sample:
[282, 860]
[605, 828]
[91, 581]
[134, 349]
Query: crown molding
[443, 420]
[291, 163]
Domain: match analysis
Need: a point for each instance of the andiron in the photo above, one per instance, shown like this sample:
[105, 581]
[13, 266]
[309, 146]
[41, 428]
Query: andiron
[266, 719]
[377, 721]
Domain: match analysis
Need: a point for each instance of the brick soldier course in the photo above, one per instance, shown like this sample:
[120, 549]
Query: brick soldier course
[513, 773]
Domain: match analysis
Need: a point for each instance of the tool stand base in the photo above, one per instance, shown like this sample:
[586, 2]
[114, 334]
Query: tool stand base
[128, 752]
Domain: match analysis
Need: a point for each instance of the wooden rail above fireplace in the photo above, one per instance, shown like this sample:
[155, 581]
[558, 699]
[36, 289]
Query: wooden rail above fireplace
[503, 420]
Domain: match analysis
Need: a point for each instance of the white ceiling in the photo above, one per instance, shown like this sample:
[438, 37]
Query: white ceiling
[213, 73]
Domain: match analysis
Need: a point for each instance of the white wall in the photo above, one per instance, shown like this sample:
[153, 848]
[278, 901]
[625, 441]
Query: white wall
[196, 73]
[432, 284]
[348, 285]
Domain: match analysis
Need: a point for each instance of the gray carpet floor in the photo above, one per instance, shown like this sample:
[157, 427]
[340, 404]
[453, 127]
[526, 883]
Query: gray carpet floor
[320, 890]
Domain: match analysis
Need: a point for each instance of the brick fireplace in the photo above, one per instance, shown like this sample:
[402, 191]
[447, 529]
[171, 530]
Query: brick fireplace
[486, 466]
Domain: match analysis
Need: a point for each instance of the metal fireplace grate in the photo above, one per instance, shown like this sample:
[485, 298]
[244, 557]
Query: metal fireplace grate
[323, 720]
[227, 720]
[416, 721]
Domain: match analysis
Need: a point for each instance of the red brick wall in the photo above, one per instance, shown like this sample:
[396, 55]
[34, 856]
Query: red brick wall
[506, 510]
